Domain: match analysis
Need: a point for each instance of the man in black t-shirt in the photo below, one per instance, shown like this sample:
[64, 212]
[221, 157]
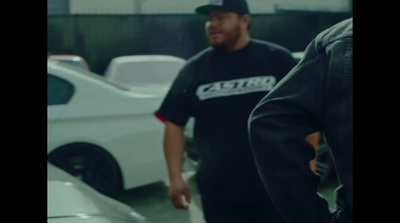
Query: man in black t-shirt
[219, 87]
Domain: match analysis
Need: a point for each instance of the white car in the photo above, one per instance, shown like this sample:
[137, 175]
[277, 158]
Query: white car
[151, 71]
[144, 70]
[102, 133]
[71, 201]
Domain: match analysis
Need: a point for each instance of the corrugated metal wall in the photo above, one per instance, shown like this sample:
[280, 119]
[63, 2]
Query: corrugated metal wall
[187, 6]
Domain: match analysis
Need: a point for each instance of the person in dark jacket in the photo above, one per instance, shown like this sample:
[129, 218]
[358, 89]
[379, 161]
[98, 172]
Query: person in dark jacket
[316, 95]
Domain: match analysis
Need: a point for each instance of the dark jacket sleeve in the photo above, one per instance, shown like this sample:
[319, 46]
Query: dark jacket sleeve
[316, 95]
[277, 129]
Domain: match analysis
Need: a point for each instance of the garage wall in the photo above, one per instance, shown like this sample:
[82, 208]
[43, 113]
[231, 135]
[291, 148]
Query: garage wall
[99, 38]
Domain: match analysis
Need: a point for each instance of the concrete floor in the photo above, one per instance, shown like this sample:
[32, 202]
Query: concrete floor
[152, 201]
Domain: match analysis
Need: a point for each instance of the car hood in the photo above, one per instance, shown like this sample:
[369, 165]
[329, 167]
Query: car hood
[68, 197]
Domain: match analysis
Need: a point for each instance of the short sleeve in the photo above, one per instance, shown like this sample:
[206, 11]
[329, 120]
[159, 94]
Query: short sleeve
[175, 107]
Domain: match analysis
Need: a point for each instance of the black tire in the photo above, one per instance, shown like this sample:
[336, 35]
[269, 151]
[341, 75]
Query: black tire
[90, 164]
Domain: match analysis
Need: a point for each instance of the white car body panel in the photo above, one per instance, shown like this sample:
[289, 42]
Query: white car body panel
[136, 70]
[117, 120]
[71, 200]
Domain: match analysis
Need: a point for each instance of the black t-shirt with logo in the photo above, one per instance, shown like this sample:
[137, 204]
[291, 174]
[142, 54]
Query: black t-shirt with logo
[220, 89]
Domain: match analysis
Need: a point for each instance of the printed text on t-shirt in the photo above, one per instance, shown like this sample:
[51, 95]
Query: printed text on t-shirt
[235, 87]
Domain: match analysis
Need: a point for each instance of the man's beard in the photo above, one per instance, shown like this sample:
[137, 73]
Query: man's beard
[228, 43]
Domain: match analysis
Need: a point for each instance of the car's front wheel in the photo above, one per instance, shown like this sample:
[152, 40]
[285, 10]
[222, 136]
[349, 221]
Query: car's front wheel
[89, 164]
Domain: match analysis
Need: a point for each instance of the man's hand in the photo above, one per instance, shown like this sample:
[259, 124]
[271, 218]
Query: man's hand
[174, 147]
[313, 165]
[314, 139]
[179, 193]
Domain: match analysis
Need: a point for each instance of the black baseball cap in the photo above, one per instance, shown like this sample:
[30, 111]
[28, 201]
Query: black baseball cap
[238, 6]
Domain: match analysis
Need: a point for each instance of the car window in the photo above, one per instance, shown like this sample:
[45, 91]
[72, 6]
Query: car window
[59, 91]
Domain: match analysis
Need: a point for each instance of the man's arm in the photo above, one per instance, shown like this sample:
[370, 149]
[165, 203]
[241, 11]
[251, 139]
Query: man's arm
[278, 127]
[174, 147]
